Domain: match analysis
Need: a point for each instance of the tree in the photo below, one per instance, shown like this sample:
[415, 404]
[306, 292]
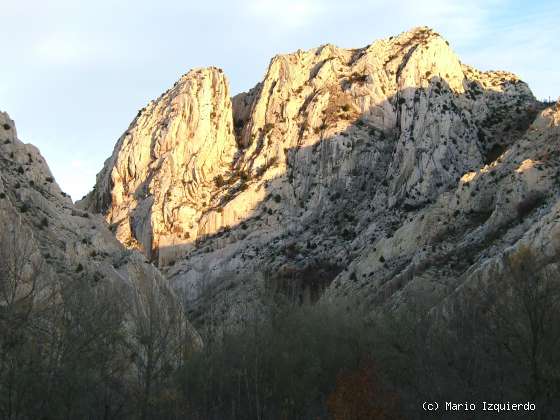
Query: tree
[359, 396]
[89, 350]
[61, 338]
[19, 288]
[525, 324]
[158, 343]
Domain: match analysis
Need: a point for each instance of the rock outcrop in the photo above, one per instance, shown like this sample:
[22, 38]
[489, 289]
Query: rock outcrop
[463, 242]
[154, 187]
[46, 237]
[343, 173]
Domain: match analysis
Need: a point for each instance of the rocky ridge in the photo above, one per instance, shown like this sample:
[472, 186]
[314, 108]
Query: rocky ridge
[390, 174]
[44, 235]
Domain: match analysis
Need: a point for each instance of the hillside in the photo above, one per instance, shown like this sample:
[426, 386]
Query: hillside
[393, 174]
[81, 317]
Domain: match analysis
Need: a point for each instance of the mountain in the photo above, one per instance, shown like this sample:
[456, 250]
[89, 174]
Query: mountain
[64, 241]
[393, 175]
[81, 317]
[363, 230]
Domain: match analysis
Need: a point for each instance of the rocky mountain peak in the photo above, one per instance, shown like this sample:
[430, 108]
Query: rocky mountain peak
[153, 186]
[325, 159]
[381, 201]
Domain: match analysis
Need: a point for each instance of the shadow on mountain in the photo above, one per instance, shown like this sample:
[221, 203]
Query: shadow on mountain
[346, 188]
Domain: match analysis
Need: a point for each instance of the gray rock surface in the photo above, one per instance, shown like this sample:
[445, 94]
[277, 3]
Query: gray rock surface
[392, 174]
[64, 242]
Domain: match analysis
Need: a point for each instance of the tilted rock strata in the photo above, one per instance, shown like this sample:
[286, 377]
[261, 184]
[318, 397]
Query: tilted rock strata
[462, 242]
[155, 186]
[327, 162]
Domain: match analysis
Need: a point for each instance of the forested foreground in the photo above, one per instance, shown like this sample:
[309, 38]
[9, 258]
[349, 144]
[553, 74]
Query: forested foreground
[68, 350]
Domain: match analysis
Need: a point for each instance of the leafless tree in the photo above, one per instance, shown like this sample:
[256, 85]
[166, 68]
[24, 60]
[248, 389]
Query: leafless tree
[525, 324]
[20, 270]
[158, 331]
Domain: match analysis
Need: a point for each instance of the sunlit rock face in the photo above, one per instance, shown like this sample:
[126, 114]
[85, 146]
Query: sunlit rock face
[157, 184]
[339, 158]
[49, 240]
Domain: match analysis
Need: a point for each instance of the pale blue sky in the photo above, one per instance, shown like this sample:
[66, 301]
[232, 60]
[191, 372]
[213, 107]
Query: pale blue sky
[74, 73]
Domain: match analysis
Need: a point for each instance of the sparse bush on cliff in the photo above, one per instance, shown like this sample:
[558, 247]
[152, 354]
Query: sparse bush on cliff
[219, 181]
[268, 128]
[529, 203]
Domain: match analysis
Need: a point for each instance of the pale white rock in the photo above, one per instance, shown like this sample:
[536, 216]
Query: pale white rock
[337, 158]
[159, 180]
[461, 244]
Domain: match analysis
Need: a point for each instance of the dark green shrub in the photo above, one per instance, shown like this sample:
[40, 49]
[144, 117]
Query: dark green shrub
[529, 203]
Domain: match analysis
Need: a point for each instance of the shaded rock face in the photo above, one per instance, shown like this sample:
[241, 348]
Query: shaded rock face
[362, 165]
[46, 236]
[461, 243]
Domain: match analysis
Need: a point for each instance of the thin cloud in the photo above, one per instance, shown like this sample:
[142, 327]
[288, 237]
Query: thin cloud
[75, 49]
[76, 164]
[61, 50]
[289, 13]
[464, 21]
[516, 46]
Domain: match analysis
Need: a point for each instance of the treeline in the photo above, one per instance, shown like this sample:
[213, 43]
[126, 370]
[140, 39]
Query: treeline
[79, 346]
[496, 343]
[79, 349]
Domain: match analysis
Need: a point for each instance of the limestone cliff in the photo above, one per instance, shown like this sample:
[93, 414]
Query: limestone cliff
[154, 187]
[43, 235]
[343, 173]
